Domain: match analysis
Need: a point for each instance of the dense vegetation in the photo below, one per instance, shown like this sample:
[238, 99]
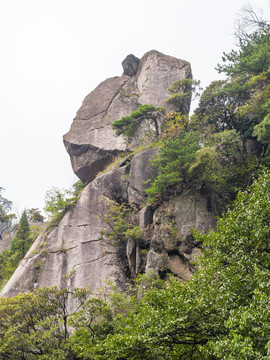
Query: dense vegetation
[223, 311]
[227, 138]
[24, 237]
[5, 216]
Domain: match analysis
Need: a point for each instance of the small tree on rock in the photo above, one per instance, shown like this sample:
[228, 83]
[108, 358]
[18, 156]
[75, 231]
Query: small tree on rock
[182, 92]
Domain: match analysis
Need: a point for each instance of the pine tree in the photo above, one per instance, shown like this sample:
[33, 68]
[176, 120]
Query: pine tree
[21, 242]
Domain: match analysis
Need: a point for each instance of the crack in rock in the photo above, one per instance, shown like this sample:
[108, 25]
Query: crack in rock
[98, 258]
[63, 250]
[90, 241]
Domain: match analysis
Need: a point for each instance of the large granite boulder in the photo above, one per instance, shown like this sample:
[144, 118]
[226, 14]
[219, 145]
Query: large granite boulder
[91, 141]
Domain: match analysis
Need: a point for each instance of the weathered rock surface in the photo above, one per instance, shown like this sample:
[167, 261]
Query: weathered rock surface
[72, 253]
[172, 244]
[130, 65]
[91, 141]
[141, 172]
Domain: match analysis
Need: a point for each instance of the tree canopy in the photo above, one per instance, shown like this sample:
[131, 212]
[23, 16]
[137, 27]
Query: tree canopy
[5, 217]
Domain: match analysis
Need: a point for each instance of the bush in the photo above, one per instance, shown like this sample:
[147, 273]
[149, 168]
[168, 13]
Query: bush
[173, 163]
[58, 201]
[181, 94]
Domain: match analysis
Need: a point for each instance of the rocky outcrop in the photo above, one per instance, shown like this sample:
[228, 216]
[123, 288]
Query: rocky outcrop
[73, 253]
[91, 141]
[172, 245]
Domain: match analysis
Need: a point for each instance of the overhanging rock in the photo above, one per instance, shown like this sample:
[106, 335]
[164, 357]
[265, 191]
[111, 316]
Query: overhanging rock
[91, 141]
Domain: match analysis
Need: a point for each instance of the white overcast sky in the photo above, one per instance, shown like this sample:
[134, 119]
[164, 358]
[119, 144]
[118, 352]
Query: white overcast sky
[54, 52]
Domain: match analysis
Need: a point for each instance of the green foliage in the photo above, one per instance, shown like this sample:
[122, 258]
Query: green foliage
[78, 187]
[221, 313]
[35, 326]
[174, 123]
[222, 166]
[238, 257]
[6, 218]
[253, 54]
[218, 104]
[59, 201]
[34, 215]
[128, 125]
[262, 130]
[239, 103]
[93, 323]
[21, 241]
[181, 94]
[173, 163]
[20, 244]
[118, 218]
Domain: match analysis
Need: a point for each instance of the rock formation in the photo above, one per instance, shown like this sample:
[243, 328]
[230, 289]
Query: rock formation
[72, 253]
[91, 141]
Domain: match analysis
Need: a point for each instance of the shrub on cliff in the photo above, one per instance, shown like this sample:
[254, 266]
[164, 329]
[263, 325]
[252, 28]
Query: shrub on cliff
[58, 201]
[173, 163]
[181, 93]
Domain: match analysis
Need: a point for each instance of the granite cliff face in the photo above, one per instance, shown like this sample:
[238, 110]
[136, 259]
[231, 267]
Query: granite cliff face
[72, 253]
[91, 141]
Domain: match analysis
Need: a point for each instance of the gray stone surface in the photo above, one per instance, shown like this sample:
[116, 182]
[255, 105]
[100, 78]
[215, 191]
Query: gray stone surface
[155, 262]
[72, 254]
[146, 216]
[140, 173]
[155, 75]
[91, 141]
[171, 232]
[130, 65]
